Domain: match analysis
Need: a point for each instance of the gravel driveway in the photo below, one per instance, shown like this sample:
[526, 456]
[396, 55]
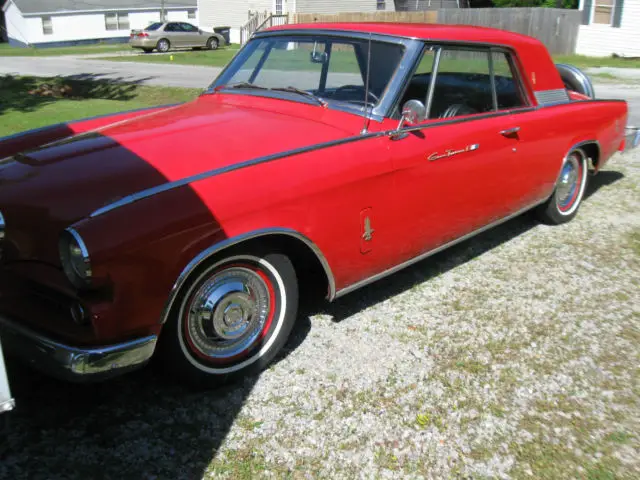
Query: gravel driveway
[512, 355]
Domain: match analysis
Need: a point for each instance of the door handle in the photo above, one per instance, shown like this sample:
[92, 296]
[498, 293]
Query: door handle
[509, 132]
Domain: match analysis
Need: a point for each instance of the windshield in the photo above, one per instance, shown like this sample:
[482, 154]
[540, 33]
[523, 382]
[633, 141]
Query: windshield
[332, 69]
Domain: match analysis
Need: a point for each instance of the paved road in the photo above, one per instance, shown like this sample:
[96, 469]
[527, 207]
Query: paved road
[145, 73]
[201, 77]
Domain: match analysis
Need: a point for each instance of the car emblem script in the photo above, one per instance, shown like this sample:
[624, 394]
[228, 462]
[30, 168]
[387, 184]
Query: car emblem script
[450, 152]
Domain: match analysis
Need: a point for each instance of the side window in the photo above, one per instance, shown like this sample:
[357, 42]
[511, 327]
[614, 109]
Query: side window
[343, 67]
[463, 84]
[171, 27]
[508, 91]
[187, 27]
[418, 87]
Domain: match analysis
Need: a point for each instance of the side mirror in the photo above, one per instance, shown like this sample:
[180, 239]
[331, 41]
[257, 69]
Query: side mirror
[413, 112]
[318, 57]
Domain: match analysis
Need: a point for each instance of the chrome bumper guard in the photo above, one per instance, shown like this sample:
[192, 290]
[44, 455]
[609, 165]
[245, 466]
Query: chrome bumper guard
[75, 363]
[631, 138]
[6, 402]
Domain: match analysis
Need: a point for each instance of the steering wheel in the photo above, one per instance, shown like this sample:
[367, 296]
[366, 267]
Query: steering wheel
[356, 89]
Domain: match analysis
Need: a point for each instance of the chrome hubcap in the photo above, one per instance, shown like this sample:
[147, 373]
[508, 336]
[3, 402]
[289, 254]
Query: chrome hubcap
[228, 313]
[569, 182]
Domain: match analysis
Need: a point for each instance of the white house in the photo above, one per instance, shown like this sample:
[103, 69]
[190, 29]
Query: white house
[72, 22]
[609, 27]
[234, 14]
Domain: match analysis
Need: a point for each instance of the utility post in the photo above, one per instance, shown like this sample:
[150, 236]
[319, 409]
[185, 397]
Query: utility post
[163, 13]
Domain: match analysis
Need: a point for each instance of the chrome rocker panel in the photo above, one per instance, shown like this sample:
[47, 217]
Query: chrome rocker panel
[75, 363]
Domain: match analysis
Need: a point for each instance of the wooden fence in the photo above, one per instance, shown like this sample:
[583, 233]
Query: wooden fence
[556, 28]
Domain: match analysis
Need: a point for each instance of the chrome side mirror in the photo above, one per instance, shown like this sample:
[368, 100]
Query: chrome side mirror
[413, 112]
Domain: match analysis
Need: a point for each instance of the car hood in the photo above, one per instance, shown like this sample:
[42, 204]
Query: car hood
[45, 190]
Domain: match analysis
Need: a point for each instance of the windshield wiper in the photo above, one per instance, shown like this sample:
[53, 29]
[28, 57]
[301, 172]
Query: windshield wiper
[299, 91]
[244, 85]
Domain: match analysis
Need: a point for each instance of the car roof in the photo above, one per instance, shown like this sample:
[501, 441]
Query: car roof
[423, 31]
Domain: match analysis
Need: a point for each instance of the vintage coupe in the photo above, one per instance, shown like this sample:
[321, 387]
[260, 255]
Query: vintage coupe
[322, 158]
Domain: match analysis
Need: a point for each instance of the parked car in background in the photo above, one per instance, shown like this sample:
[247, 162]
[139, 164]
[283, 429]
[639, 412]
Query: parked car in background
[324, 157]
[170, 35]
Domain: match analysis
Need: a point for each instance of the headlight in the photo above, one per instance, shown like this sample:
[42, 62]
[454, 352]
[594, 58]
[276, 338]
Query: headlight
[75, 258]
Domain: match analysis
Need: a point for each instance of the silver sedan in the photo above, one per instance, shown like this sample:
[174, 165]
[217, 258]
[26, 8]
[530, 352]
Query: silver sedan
[168, 35]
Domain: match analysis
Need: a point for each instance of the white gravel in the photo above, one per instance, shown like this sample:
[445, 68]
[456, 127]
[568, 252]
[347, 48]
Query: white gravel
[513, 355]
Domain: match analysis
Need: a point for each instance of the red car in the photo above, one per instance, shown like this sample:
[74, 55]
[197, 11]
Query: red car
[322, 158]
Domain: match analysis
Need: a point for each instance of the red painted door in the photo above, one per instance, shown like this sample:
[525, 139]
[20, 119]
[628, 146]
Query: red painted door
[455, 177]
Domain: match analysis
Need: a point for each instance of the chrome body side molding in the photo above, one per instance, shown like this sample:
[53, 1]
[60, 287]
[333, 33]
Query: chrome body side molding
[424, 255]
[218, 247]
[298, 151]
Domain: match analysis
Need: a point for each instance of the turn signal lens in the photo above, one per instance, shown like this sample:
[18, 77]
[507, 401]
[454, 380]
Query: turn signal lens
[74, 257]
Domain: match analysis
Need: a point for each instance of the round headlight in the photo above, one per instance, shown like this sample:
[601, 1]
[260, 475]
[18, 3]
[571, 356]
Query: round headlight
[74, 257]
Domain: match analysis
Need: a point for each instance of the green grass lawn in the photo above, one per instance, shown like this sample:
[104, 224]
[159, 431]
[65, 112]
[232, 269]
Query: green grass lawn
[7, 50]
[208, 58]
[21, 110]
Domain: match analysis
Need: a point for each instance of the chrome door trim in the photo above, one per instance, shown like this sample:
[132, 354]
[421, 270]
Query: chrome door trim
[429, 253]
[230, 242]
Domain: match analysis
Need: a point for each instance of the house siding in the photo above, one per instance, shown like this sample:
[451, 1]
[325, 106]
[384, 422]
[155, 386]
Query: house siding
[338, 6]
[222, 13]
[16, 26]
[79, 27]
[604, 40]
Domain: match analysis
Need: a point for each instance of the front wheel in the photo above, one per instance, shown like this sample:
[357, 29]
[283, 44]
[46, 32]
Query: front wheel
[231, 320]
[563, 205]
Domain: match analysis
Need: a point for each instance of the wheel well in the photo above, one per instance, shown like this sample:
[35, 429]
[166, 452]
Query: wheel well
[593, 154]
[313, 279]
[313, 282]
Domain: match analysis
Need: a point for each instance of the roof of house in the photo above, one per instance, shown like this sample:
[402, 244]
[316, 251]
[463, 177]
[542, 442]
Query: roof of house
[31, 7]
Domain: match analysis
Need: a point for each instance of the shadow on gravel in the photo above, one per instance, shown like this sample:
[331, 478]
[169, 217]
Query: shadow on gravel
[28, 94]
[144, 426]
[139, 426]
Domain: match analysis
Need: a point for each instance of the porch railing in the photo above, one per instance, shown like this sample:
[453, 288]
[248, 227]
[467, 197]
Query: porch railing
[259, 20]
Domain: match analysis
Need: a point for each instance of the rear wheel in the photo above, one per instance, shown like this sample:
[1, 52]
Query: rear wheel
[212, 43]
[163, 45]
[231, 320]
[563, 205]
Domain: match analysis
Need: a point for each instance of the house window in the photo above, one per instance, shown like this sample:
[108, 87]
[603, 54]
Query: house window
[47, 26]
[191, 14]
[279, 7]
[603, 11]
[381, 5]
[116, 21]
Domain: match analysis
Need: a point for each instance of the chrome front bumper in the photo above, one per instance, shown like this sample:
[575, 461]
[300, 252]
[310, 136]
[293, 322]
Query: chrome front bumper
[6, 402]
[631, 138]
[75, 363]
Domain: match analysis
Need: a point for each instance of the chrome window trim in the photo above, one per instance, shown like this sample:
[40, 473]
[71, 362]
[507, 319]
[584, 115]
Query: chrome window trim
[230, 242]
[429, 253]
